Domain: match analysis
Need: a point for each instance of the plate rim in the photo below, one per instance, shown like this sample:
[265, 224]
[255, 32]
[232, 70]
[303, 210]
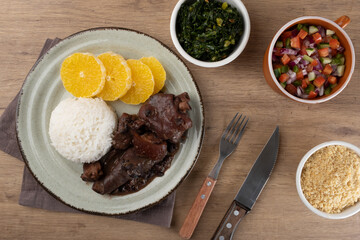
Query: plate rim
[98, 212]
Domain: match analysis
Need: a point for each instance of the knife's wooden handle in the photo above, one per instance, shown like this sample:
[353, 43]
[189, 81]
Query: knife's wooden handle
[197, 208]
[232, 218]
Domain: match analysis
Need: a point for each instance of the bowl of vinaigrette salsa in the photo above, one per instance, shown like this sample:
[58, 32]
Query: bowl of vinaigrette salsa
[310, 60]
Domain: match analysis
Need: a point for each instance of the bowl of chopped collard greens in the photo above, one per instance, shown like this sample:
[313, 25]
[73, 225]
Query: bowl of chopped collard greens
[210, 33]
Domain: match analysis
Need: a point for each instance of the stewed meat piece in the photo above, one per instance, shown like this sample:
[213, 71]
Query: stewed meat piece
[91, 171]
[143, 145]
[167, 116]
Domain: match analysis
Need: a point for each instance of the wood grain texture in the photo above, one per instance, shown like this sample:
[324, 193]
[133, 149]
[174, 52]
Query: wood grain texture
[192, 219]
[239, 86]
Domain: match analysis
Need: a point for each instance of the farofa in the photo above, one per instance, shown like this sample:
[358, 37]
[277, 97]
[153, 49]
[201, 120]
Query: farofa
[330, 178]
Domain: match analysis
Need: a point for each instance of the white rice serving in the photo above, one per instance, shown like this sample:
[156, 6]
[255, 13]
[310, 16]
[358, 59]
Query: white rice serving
[81, 129]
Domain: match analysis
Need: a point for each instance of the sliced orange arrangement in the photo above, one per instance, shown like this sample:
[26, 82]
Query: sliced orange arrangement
[157, 70]
[143, 83]
[83, 74]
[110, 77]
[118, 76]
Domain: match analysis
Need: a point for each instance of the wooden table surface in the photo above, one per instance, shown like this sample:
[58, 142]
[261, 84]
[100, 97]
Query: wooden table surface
[239, 86]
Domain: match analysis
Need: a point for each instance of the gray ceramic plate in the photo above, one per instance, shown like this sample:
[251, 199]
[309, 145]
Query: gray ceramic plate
[43, 90]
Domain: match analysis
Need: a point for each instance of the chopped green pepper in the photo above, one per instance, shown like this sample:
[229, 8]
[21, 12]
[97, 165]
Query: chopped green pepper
[283, 84]
[299, 26]
[327, 90]
[297, 83]
[284, 69]
[309, 88]
[277, 72]
[287, 43]
[296, 69]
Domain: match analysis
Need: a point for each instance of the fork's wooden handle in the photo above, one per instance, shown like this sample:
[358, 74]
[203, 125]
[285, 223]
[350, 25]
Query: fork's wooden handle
[197, 208]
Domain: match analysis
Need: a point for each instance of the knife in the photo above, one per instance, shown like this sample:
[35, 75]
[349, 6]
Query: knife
[250, 190]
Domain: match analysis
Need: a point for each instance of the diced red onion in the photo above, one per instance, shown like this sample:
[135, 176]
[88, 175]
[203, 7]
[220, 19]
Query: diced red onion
[288, 51]
[312, 45]
[301, 65]
[291, 64]
[298, 58]
[304, 72]
[274, 58]
[317, 90]
[316, 72]
[298, 92]
[326, 84]
[334, 67]
[340, 49]
[319, 65]
[294, 33]
[304, 62]
[305, 96]
[330, 53]
[306, 43]
[311, 39]
[292, 76]
[321, 91]
[321, 31]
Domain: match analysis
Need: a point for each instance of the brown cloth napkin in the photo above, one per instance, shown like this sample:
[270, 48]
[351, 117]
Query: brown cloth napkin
[32, 193]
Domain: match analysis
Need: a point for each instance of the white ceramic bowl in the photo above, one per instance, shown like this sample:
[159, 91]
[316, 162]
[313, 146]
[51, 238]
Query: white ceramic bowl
[238, 49]
[348, 211]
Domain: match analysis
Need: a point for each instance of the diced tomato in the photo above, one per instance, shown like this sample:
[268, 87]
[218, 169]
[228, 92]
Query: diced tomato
[327, 39]
[334, 52]
[299, 75]
[291, 89]
[327, 70]
[309, 68]
[292, 57]
[312, 94]
[304, 83]
[286, 35]
[302, 34]
[317, 38]
[285, 59]
[334, 43]
[303, 50]
[314, 63]
[295, 42]
[277, 52]
[284, 77]
[319, 81]
[332, 80]
[324, 52]
[307, 81]
[277, 66]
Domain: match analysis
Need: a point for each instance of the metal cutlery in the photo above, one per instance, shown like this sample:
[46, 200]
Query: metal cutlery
[250, 190]
[229, 141]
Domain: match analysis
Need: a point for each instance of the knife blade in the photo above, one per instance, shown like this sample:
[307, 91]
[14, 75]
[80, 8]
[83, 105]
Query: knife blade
[250, 190]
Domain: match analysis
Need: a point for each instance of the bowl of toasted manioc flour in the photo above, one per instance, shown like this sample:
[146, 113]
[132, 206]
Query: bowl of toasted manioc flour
[328, 180]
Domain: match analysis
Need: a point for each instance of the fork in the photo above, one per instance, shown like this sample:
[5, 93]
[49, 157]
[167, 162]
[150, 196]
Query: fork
[229, 141]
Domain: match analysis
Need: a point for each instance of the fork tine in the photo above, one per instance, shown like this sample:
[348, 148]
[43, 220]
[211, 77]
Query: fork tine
[241, 132]
[230, 136]
[229, 126]
[232, 140]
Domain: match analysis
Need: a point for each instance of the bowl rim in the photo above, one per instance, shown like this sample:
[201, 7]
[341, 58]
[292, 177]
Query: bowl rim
[348, 212]
[231, 57]
[271, 47]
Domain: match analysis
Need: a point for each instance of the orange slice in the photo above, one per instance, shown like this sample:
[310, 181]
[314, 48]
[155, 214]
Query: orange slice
[83, 74]
[118, 76]
[143, 83]
[157, 70]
